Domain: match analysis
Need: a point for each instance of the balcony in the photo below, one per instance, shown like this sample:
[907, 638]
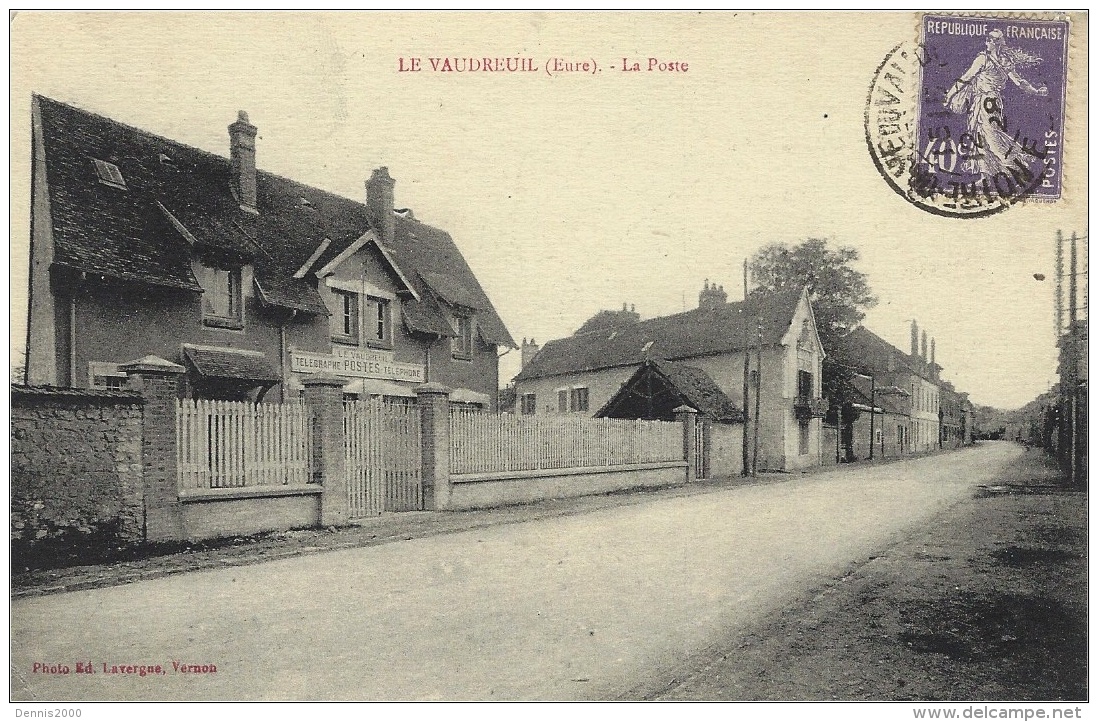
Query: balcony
[806, 407]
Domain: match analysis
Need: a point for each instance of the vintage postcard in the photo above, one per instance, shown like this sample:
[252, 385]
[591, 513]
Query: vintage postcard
[539, 356]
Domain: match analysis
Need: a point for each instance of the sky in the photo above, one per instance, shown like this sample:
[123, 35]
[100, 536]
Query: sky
[578, 192]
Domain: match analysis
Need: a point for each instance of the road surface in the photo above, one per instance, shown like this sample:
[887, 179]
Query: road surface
[582, 607]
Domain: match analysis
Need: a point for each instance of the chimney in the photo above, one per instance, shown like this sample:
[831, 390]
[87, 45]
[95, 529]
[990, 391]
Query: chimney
[932, 352]
[379, 202]
[242, 162]
[933, 366]
[712, 296]
[528, 351]
[914, 338]
[924, 346]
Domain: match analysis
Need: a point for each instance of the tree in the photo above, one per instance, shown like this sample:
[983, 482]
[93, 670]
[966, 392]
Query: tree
[610, 320]
[839, 294]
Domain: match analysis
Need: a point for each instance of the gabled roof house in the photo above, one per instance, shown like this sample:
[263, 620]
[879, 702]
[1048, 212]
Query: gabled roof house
[585, 373]
[143, 245]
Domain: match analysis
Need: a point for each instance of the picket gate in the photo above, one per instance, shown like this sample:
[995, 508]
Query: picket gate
[383, 458]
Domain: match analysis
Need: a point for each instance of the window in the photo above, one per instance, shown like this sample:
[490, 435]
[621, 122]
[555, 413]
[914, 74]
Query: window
[804, 384]
[529, 404]
[462, 344]
[562, 401]
[102, 375]
[109, 174]
[579, 399]
[344, 318]
[221, 298]
[802, 446]
[378, 326]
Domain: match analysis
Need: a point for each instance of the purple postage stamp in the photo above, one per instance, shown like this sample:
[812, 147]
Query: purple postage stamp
[970, 121]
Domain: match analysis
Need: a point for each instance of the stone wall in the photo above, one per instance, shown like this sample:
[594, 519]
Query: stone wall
[76, 465]
[725, 450]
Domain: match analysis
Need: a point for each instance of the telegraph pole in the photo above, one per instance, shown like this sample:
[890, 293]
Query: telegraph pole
[1059, 285]
[746, 369]
[758, 395]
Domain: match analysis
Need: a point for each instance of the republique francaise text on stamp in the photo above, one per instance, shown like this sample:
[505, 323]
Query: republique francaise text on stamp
[970, 120]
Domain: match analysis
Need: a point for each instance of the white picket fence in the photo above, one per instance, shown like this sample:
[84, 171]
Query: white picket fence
[484, 443]
[226, 444]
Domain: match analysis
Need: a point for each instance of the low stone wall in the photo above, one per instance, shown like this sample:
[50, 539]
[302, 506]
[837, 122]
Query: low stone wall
[76, 466]
[725, 450]
[478, 491]
[251, 510]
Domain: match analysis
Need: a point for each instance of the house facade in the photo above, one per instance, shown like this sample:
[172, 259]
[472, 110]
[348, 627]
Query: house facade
[141, 245]
[915, 410]
[580, 374]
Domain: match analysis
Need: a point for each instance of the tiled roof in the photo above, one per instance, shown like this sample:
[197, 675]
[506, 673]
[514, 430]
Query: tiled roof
[126, 233]
[228, 363]
[699, 390]
[888, 398]
[700, 332]
[675, 384]
[865, 351]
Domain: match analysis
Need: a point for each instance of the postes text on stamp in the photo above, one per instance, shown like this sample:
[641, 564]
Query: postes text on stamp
[970, 121]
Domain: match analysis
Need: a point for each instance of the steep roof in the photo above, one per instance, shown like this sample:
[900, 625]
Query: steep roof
[891, 399]
[176, 196]
[699, 332]
[865, 351]
[675, 384]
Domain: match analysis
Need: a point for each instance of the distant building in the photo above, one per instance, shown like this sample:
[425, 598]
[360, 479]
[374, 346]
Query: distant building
[142, 245]
[582, 373]
[915, 410]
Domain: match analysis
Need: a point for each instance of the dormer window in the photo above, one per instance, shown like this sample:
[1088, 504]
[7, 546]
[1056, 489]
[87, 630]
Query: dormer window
[461, 346]
[344, 318]
[222, 302]
[378, 323]
[109, 174]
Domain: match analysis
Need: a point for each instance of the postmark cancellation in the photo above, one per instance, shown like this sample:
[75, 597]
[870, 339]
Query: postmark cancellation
[969, 120]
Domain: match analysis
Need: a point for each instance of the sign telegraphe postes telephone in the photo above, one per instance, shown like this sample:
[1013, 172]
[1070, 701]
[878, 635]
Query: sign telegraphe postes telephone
[357, 363]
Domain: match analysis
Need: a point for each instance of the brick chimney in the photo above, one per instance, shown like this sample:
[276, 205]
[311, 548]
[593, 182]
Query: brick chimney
[242, 162]
[712, 296]
[924, 346]
[914, 338]
[528, 350]
[379, 201]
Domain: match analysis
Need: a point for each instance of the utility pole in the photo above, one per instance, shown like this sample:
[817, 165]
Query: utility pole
[1073, 286]
[872, 412]
[1059, 285]
[758, 395]
[746, 369]
[1072, 357]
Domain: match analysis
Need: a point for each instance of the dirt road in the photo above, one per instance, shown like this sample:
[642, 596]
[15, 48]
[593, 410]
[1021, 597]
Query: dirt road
[989, 602]
[581, 607]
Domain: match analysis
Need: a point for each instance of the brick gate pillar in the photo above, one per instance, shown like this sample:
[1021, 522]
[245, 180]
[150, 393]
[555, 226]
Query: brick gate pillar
[157, 380]
[689, 419]
[434, 409]
[324, 399]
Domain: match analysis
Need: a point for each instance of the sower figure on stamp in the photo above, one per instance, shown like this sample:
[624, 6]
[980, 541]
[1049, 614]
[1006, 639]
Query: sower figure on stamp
[979, 94]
